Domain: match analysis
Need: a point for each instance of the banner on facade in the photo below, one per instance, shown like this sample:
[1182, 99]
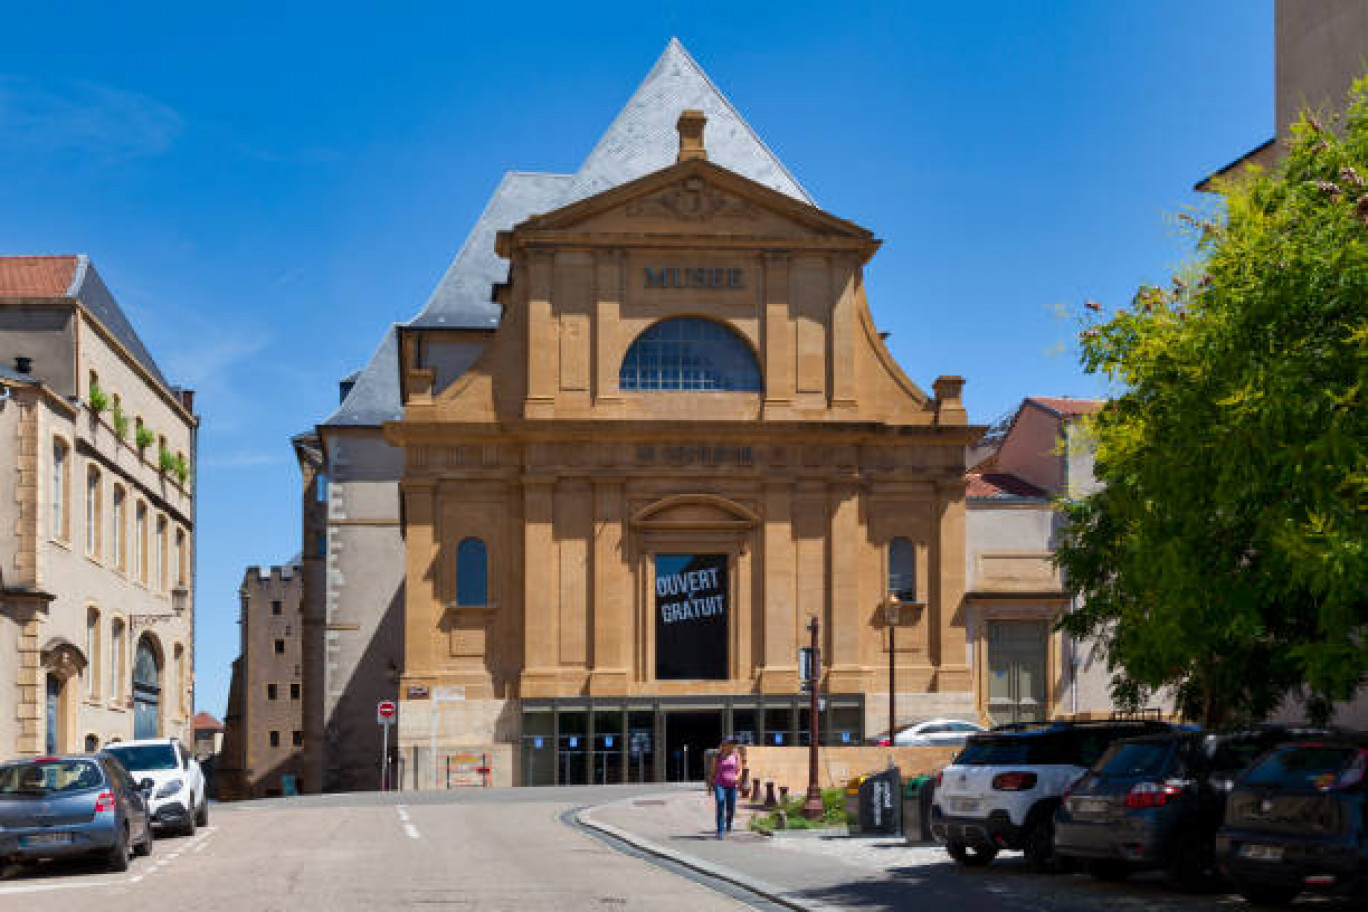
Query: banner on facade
[691, 597]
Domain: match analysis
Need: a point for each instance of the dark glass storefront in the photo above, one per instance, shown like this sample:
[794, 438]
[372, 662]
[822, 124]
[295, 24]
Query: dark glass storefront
[663, 739]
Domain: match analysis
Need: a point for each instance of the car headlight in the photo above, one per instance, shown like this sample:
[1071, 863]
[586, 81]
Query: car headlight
[169, 788]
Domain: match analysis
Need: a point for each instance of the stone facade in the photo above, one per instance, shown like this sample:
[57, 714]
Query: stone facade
[575, 487]
[264, 743]
[96, 568]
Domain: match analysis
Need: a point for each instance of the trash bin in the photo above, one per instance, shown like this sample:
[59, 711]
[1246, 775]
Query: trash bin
[878, 810]
[852, 802]
[916, 809]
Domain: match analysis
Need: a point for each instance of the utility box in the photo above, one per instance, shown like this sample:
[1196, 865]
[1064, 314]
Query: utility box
[916, 809]
[877, 804]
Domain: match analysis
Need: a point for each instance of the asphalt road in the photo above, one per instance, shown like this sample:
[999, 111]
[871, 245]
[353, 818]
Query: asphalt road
[487, 850]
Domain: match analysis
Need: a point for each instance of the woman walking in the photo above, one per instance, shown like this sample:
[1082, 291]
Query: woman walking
[724, 775]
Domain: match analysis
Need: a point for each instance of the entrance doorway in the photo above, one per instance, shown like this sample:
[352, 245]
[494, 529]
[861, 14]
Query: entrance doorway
[688, 735]
[146, 692]
[1016, 671]
[53, 711]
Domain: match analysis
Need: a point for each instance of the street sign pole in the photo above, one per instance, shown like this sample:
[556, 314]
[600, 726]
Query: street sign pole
[812, 807]
[384, 714]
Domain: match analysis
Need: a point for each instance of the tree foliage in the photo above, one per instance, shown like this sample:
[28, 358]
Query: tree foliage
[1223, 560]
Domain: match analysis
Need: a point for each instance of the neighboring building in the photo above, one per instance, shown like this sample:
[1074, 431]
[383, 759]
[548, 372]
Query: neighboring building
[1321, 47]
[97, 500]
[1024, 669]
[643, 453]
[263, 746]
[208, 736]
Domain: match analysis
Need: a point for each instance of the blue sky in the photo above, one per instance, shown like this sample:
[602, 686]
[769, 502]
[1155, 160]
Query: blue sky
[265, 192]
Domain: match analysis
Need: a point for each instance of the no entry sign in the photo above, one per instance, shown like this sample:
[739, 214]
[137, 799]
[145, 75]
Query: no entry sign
[384, 712]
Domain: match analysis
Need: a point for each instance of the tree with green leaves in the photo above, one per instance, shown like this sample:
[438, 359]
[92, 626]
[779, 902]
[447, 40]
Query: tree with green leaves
[1222, 563]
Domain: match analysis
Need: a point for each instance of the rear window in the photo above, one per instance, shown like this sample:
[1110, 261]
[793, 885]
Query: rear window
[49, 777]
[144, 757]
[1235, 756]
[1148, 758]
[1010, 751]
[1296, 767]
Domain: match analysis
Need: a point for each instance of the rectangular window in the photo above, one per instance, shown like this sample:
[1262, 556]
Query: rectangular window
[181, 575]
[294, 691]
[270, 691]
[320, 545]
[279, 647]
[298, 739]
[159, 556]
[59, 489]
[140, 543]
[93, 512]
[276, 607]
[116, 529]
[275, 739]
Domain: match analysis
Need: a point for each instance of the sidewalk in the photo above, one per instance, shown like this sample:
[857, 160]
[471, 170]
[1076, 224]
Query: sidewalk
[831, 873]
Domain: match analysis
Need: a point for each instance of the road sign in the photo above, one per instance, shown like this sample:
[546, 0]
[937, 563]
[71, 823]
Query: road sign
[384, 712]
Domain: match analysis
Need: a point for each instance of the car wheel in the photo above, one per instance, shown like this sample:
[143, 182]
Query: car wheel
[1039, 848]
[1193, 865]
[1268, 895]
[971, 856]
[202, 815]
[117, 859]
[1106, 869]
[188, 829]
[144, 848]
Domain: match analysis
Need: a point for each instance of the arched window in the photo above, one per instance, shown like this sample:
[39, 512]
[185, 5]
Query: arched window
[93, 664]
[116, 659]
[60, 453]
[687, 353]
[94, 511]
[902, 570]
[472, 573]
[159, 556]
[117, 530]
[140, 543]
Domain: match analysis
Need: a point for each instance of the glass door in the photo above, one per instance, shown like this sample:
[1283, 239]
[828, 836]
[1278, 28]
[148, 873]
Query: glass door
[1016, 671]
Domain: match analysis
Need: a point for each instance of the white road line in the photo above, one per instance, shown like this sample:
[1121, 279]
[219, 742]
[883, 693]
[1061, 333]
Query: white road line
[412, 831]
[402, 812]
[200, 848]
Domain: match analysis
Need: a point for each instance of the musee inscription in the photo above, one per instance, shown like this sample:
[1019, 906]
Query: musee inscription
[694, 277]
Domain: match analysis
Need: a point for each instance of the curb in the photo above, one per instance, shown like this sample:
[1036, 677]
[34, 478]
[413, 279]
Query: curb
[772, 892]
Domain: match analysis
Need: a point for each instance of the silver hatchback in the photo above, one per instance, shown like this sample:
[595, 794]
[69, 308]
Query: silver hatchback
[60, 807]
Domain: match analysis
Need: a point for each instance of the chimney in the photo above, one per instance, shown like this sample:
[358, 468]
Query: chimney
[187, 398]
[23, 365]
[690, 126]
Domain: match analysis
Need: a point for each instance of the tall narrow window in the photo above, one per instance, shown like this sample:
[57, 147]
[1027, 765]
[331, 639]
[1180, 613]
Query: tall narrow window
[92, 676]
[902, 570]
[178, 677]
[159, 556]
[94, 511]
[472, 573]
[140, 543]
[60, 453]
[181, 557]
[116, 658]
[118, 530]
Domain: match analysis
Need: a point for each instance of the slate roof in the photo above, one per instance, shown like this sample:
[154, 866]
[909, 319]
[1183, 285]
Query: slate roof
[374, 398]
[203, 721]
[1067, 408]
[74, 276]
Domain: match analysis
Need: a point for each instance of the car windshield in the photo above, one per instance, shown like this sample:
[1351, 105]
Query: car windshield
[46, 777]
[142, 757]
[1301, 766]
[1147, 758]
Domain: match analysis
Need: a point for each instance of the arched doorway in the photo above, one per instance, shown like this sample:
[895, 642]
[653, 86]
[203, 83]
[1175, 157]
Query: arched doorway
[146, 691]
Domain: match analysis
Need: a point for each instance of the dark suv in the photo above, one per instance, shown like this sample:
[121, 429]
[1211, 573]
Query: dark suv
[1298, 820]
[1156, 802]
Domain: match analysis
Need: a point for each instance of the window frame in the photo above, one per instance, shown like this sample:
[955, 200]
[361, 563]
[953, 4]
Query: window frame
[690, 353]
[60, 478]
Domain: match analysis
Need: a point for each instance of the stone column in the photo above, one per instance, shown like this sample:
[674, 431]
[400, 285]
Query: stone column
[539, 594]
[779, 368]
[611, 611]
[608, 295]
[845, 623]
[780, 672]
[845, 273]
[542, 349]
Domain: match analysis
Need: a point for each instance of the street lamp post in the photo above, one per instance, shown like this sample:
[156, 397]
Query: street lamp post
[812, 807]
[891, 616]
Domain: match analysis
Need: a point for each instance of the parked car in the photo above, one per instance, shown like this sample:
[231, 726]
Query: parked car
[1156, 802]
[179, 801]
[61, 807]
[1002, 790]
[1298, 820]
[930, 733]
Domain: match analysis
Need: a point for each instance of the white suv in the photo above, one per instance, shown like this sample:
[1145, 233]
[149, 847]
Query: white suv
[1002, 791]
[178, 801]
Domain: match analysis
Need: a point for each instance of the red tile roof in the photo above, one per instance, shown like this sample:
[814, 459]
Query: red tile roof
[205, 722]
[990, 485]
[1067, 408]
[36, 276]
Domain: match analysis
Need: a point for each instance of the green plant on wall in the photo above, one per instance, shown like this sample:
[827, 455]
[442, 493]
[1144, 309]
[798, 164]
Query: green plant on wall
[98, 399]
[120, 418]
[166, 461]
[180, 468]
[144, 438]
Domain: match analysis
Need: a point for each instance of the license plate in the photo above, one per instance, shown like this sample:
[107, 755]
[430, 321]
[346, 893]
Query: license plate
[46, 839]
[1261, 852]
[1090, 805]
[964, 805]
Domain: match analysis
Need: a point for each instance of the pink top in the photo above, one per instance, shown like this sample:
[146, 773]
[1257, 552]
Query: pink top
[727, 772]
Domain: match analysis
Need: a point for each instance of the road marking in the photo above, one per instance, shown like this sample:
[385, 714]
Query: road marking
[402, 812]
[197, 844]
[409, 828]
[412, 831]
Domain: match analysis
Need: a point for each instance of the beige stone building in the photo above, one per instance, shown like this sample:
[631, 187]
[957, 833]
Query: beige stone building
[97, 504]
[263, 751]
[649, 439]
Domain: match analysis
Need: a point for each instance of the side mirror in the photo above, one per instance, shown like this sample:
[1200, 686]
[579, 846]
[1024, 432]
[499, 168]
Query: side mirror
[147, 785]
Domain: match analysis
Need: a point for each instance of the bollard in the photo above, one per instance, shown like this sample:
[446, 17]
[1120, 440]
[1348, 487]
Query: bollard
[770, 800]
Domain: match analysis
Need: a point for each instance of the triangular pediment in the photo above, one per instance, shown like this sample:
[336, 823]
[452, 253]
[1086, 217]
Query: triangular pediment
[695, 197]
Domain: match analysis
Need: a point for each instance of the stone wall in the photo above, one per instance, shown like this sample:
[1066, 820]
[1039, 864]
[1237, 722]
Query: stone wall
[789, 765]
